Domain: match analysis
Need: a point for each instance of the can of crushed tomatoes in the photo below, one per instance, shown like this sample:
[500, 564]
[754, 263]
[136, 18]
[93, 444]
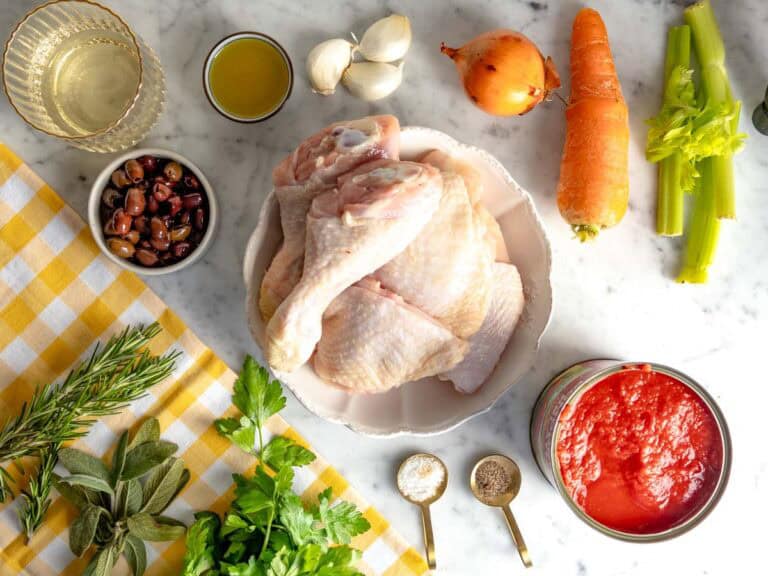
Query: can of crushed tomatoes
[638, 451]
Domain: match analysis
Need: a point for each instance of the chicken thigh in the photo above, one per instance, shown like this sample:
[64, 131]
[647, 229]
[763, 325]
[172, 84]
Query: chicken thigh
[375, 213]
[309, 171]
[374, 341]
[486, 346]
[446, 270]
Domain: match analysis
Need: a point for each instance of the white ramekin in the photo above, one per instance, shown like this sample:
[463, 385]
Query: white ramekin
[94, 216]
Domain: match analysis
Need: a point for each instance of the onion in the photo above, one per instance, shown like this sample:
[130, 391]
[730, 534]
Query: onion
[503, 72]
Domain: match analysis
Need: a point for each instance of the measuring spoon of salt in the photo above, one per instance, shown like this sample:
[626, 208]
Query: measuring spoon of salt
[421, 479]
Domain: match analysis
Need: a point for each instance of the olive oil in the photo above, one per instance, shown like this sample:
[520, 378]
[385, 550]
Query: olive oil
[90, 81]
[249, 78]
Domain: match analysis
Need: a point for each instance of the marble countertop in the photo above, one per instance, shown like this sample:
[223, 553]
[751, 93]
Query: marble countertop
[615, 298]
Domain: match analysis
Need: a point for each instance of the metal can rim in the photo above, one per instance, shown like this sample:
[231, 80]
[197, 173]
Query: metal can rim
[722, 426]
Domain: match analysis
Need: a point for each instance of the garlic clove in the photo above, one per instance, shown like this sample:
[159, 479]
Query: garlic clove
[387, 40]
[372, 80]
[326, 63]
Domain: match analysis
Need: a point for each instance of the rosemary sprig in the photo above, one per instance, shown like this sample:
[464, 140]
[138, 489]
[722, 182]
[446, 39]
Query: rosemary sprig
[114, 375]
[36, 497]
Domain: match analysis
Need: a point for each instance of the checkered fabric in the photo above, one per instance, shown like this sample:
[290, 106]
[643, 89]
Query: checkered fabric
[58, 296]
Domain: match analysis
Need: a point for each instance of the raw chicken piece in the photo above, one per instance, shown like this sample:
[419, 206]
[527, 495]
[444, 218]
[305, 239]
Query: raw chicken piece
[377, 211]
[486, 346]
[309, 171]
[374, 341]
[446, 271]
[474, 184]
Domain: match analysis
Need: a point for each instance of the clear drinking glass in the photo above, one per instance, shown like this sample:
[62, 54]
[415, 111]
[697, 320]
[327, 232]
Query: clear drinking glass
[75, 70]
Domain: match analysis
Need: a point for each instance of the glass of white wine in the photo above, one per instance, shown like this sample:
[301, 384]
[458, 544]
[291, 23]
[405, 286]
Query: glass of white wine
[75, 70]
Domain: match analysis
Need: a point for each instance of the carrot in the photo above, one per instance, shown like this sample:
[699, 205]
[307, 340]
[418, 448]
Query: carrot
[594, 181]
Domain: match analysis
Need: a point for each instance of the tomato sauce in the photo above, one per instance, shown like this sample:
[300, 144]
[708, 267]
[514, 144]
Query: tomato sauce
[640, 452]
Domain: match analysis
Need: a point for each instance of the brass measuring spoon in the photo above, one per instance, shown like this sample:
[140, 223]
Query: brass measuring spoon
[423, 503]
[503, 498]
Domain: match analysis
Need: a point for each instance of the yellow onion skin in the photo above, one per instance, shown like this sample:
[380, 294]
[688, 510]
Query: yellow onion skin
[503, 72]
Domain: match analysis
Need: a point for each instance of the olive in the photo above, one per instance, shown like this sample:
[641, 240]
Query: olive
[122, 222]
[200, 219]
[133, 236]
[152, 204]
[120, 179]
[110, 197]
[160, 239]
[135, 201]
[174, 205]
[166, 257]
[145, 244]
[149, 163]
[109, 227]
[134, 170]
[120, 248]
[180, 233]
[146, 257]
[184, 217]
[191, 182]
[173, 171]
[181, 249]
[141, 224]
[161, 192]
[192, 201]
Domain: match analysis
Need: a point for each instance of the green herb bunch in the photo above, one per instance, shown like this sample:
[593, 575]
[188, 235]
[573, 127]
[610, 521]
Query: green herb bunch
[113, 376]
[121, 507]
[268, 531]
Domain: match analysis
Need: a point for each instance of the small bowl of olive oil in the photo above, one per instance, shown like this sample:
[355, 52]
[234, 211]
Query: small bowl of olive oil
[248, 77]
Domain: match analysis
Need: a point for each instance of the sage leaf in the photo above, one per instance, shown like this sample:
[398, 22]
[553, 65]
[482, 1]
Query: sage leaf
[135, 553]
[128, 498]
[79, 462]
[149, 431]
[118, 458]
[185, 476]
[101, 564]
[97, 484]
[161, 485]
[155, 528]
[79, 496]
[135, 496]
[83, 529]
[146, 456]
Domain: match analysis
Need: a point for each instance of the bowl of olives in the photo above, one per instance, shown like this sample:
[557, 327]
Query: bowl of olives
[152, 211]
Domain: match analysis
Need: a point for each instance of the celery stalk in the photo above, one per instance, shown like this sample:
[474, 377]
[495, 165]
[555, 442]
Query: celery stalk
[704, 227]
[669, 211]
[716, 90]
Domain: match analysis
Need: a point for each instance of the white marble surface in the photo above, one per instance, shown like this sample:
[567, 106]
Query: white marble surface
[613, 298]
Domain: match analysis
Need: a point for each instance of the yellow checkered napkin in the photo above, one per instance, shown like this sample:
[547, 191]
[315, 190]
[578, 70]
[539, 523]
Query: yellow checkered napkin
[58, 296]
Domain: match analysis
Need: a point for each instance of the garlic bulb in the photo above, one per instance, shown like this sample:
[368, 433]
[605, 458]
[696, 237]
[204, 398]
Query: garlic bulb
[372, 80]
[387, 40]
[326, 63]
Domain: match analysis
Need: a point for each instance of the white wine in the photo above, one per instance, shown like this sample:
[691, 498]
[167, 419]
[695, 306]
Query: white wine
[90, 81]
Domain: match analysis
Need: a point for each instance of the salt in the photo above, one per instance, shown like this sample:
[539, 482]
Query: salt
[420, 477]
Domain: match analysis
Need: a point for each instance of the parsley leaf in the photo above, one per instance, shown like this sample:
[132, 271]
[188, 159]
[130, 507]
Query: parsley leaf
[255, 394]
[297, 521]
[282, 452]
[338, 561]
[254, 494]
[340, 522]
[202, 543]
[242, 433]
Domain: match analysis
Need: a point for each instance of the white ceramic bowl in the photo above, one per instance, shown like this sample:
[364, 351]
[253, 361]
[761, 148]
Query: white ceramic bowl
[428, 406]
[94, 217]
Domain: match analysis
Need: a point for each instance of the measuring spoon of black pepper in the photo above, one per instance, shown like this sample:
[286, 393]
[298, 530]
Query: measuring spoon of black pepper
[500, 493]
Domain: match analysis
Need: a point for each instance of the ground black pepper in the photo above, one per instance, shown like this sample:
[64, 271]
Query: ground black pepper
[492, 479]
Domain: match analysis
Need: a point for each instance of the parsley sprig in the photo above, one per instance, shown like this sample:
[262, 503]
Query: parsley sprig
[268, 530]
